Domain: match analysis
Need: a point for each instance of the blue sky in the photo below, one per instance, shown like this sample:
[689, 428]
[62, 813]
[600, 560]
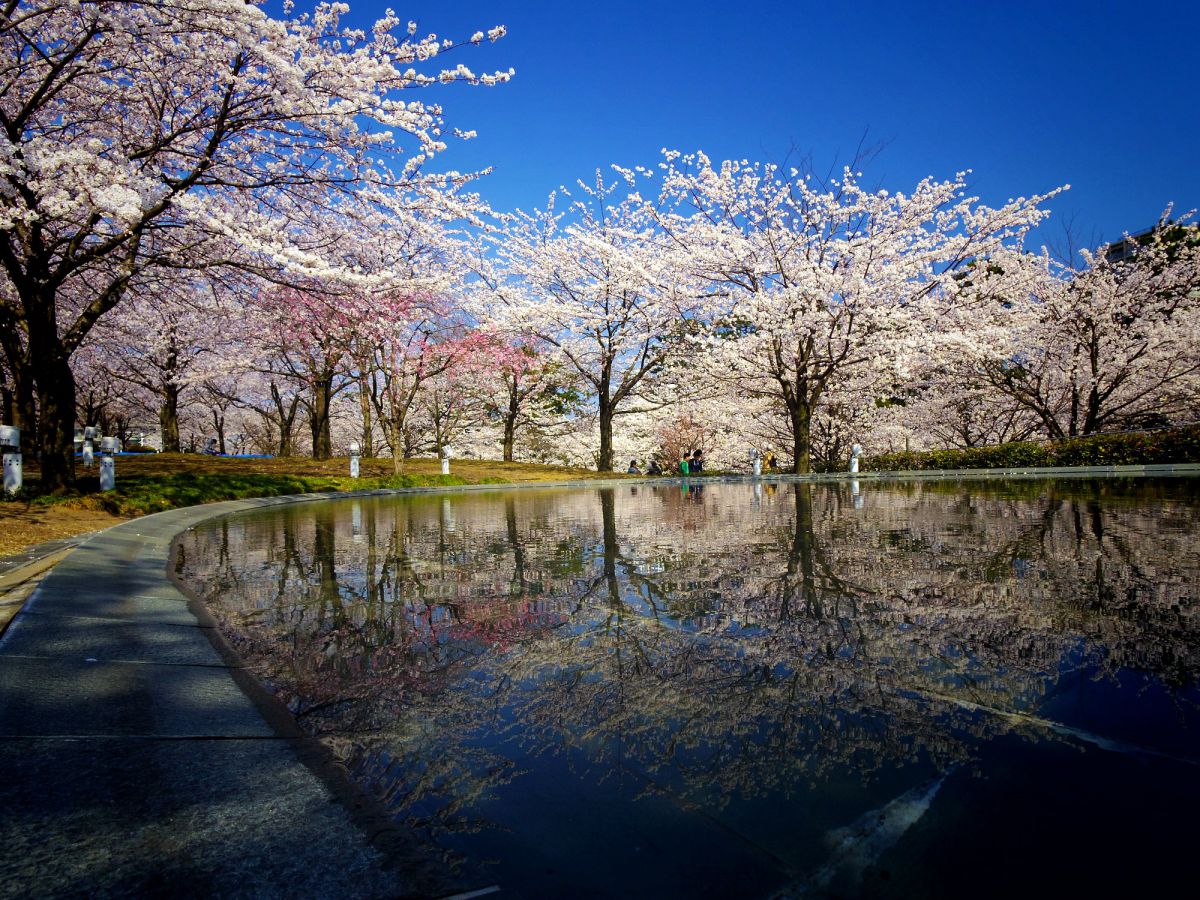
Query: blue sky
[1030, 96]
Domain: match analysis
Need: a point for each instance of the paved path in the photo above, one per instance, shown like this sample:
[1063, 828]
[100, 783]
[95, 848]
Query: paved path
[139, 760]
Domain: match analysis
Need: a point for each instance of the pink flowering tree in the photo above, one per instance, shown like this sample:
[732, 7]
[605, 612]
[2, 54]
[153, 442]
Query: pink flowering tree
[414, 343]
[306, 336]
[524, 388]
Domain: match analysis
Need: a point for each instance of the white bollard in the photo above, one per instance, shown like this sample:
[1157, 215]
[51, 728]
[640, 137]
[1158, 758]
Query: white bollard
[855, 453]
[108, 473]
[445, 465]
[89, 445]
[14, 476]
[10, 444]
[108, 465]
[756, 462]
[354, 451]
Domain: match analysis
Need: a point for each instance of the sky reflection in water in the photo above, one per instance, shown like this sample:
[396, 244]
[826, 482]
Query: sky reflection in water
[735, 690]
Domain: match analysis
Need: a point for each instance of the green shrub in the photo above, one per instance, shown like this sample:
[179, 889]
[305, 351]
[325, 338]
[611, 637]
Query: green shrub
[1181, 445]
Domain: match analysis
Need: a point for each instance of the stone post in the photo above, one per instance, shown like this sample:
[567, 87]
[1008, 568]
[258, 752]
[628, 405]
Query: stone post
[108, 464]
[10, 446]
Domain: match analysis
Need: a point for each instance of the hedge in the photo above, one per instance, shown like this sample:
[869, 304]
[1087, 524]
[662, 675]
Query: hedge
[1180, 445]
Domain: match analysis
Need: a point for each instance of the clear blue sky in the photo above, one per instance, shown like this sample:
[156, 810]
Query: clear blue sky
[1101, 95]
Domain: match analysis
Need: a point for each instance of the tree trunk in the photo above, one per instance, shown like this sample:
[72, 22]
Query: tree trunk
[322, 440]
[510, 440]
[56, 418]
[396, 437]
[49, 368]
[287, 419]
[19, 407]
[218, 416]
[510, 424]
[1091, 419]
[368, 430]
[801, 416]
[398, 451]
[605, 462]
[168, 418]
[25, 411]
[7, 403]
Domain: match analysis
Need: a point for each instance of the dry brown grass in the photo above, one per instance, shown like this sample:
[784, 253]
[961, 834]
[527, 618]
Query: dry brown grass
[23, 525]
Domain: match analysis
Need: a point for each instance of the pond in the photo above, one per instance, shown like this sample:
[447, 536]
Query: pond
[913, 689]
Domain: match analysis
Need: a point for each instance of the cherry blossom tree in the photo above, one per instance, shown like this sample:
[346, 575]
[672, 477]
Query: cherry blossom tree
[594, 282]
[810, 283]
[103, 401]
[306, 337]
[219, 398]
[143, 135]
[534, 392]
[450, 405]
[169, 337]
[414, 341]
[1114, 344]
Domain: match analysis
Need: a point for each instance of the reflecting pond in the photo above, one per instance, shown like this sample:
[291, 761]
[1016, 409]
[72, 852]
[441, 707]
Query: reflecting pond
[747, 690]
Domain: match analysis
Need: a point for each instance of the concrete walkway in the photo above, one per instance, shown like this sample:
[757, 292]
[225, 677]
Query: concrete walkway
[140, 760]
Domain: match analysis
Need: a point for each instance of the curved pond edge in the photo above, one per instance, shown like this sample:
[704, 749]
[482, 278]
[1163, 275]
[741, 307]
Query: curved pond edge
[125, 715]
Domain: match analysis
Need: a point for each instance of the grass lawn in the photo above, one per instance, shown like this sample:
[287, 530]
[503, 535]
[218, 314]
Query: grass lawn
[157, 482]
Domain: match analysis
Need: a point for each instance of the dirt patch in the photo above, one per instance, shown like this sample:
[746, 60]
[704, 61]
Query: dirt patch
[22, 525]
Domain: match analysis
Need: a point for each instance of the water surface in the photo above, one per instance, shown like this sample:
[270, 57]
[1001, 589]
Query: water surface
[735, 690]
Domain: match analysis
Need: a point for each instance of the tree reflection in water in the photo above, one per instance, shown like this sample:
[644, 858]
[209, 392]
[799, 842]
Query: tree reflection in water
[717, 646]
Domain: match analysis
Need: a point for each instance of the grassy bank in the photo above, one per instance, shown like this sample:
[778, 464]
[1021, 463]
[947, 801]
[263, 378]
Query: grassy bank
[158, 482]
